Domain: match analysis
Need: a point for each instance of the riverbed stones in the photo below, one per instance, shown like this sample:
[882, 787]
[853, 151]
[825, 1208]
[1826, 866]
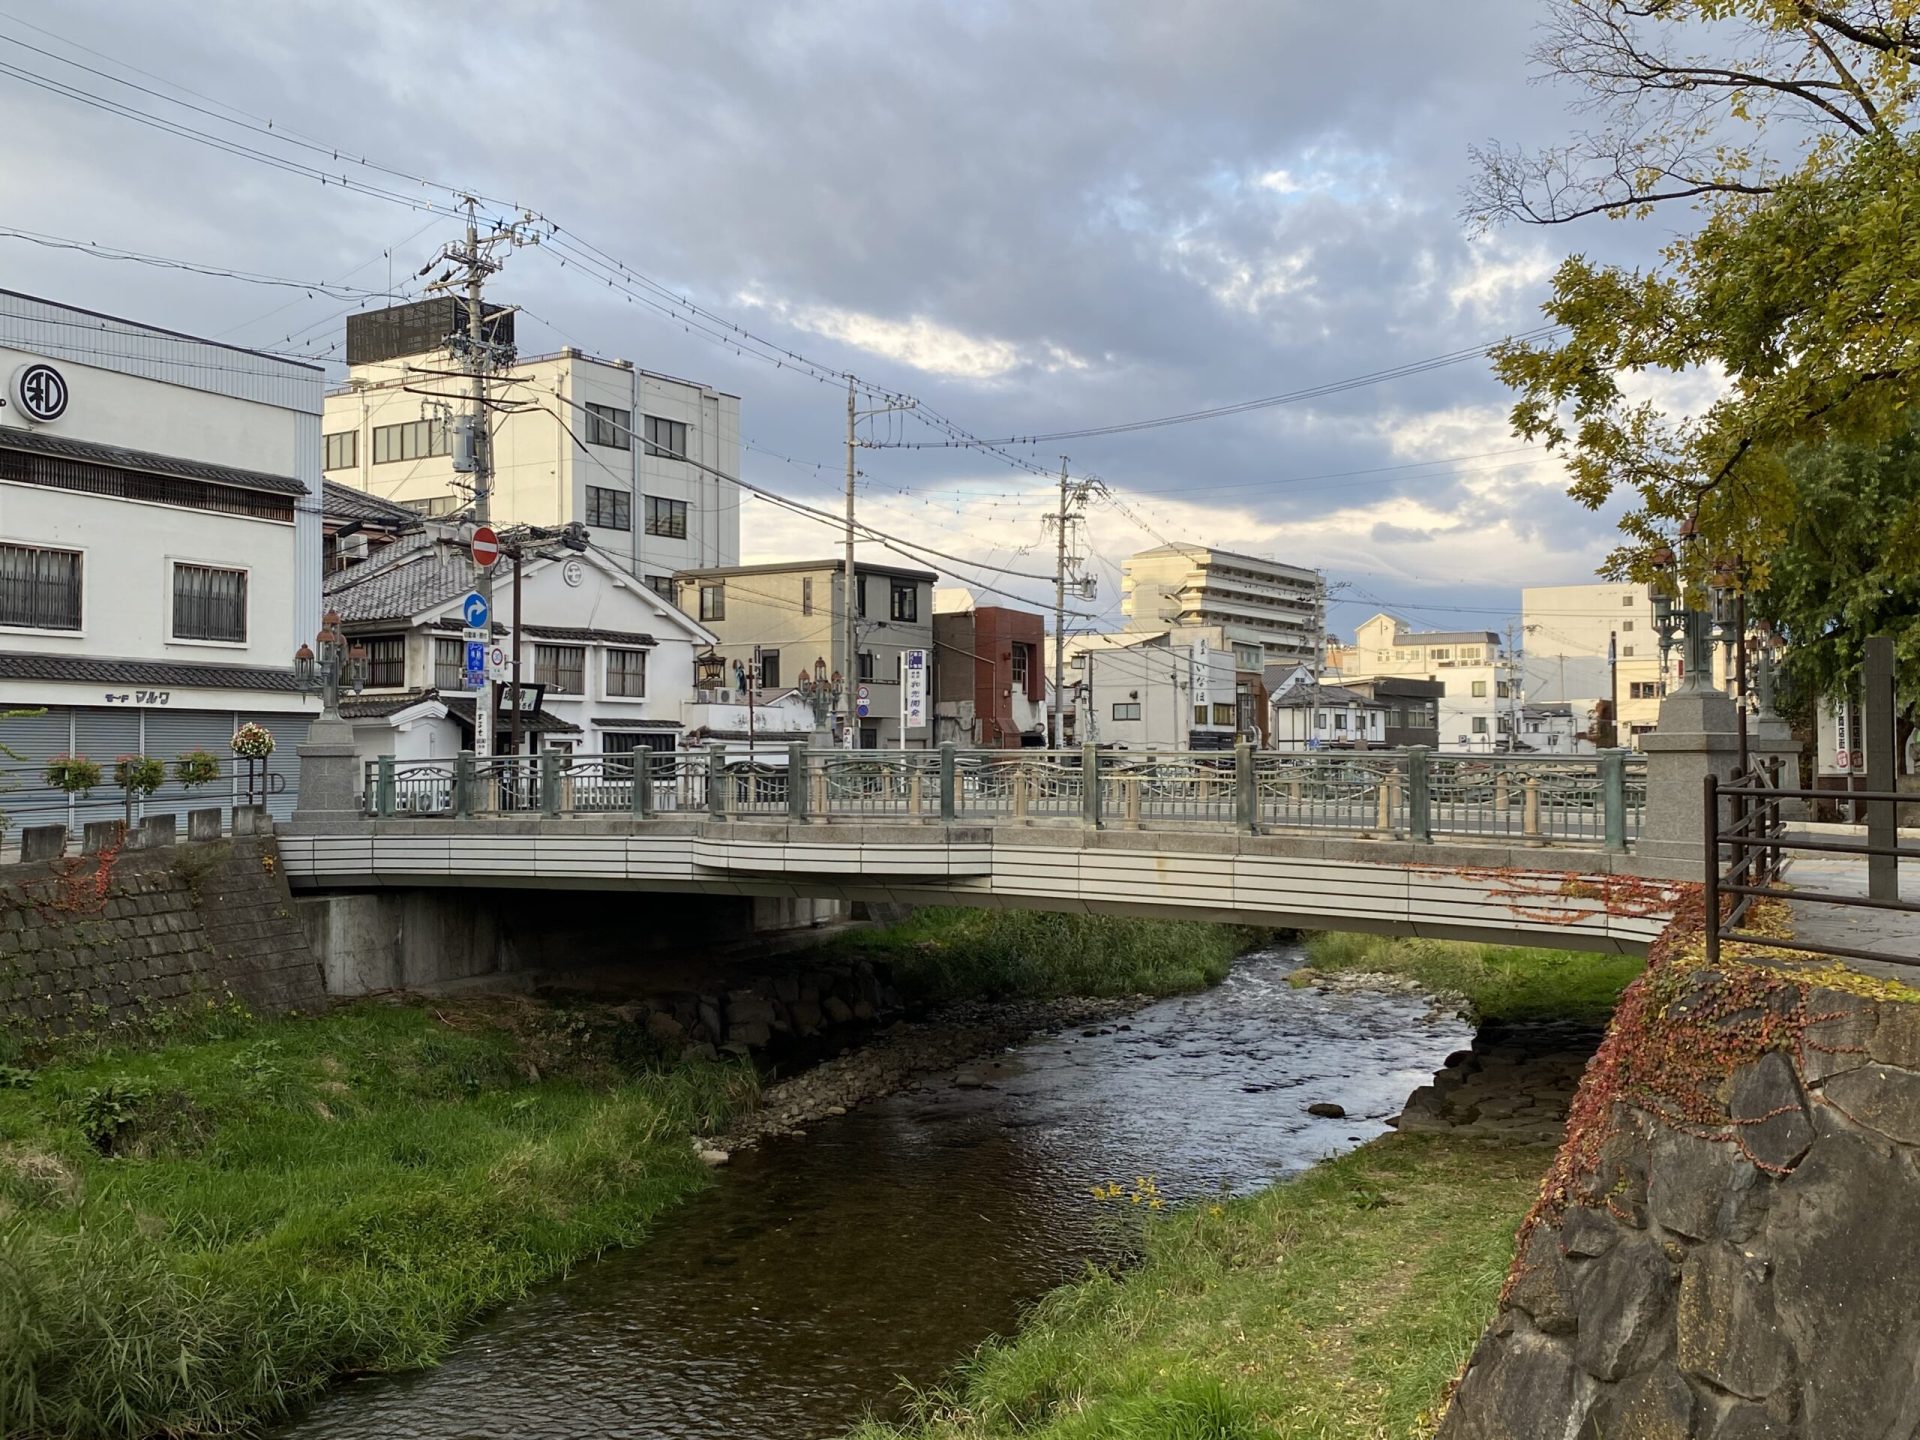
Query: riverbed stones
[1327, 1110]
[1516, 1084]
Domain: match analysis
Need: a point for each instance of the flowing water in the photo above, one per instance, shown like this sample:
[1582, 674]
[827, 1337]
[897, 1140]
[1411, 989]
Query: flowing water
[885, 1244]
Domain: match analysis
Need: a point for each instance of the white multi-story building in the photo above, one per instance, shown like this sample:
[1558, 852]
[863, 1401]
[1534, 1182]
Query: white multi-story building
[1187, 585]
[1571, 630]
[159, 545]
[1177, 690]
[1478, 709]
[638, 458]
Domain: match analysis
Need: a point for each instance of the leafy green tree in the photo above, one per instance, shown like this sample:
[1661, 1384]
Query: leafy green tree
[1851, 567]
[1787, 126]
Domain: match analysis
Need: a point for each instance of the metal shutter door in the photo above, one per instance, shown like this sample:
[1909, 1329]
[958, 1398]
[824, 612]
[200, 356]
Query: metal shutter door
[25, 797]
[172, 732]
[103, 736]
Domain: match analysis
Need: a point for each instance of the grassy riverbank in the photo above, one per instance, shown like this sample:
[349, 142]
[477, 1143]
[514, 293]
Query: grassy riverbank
[1504, 982]
[949, 953]
[194, 1233]
[1334, 1307]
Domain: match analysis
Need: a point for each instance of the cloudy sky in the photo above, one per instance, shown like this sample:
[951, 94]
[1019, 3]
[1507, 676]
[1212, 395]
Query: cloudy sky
[1035, 217]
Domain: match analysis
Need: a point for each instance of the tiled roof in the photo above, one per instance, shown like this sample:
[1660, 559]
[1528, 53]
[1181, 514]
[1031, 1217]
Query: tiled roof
[343, 502]
[540, 722]
[572, 634]
[378, 707]
[147, 674]
[415, 573]
[602, 723]
[1298, 696]
[92, 452]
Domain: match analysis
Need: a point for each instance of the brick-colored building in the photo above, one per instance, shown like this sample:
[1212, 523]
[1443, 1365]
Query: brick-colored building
[989, 688]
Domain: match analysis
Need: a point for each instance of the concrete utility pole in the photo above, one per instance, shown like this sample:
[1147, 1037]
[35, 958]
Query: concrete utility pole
[1060, 614]
[854, 416]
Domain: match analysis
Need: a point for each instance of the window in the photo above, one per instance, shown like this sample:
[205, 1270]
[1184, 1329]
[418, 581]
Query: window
[663, 586]
[806, 595]
[1646, 689]
[1627, 600]
[386, 661]
[904, 601]
[1626, 651]
[1339, 719]
[39, 587]
[666, 438]
[1442, 654]
[415, 440]
[769, 669]
[860, 593]
[209, 603]
[433, 504]
[866, 665]
[1319, 719]
[667, 518]
[713, 602]
[627, 674]
[609, 509]
[1626, 627]
[1127, 710]
[342, 450]
[1479, 689]
[1223, 714]
[1470, 652]
[610, 427]
[561, 668]
[1479, 724]
[1022, 662]
[449, 664]
[1199, 714]
[1504, 689]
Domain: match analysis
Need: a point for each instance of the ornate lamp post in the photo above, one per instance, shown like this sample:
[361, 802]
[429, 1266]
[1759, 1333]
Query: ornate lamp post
[1681, 625]
[338, 666]
[822, 692]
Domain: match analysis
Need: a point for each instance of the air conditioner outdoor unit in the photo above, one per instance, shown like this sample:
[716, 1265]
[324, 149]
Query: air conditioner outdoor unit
[351, 547]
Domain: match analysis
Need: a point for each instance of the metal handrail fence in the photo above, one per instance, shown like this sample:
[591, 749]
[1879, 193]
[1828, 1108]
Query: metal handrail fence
[1408, 794]
[1756, 848]
[29, 798]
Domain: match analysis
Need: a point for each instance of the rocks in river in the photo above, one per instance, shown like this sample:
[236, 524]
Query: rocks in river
[1327, 1110]
[712, 1156]
[1515, 1084]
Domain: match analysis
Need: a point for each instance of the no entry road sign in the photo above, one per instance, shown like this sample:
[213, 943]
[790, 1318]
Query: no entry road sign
[486, 546]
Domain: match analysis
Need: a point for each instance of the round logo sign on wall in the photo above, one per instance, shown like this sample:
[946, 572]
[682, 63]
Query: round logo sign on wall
[574, 573]
[40, 391]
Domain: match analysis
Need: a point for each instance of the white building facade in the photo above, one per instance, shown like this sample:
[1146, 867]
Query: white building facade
[1191, 585]
[159, 545]
[1177, 690]
[637, 457]
[1479, 709]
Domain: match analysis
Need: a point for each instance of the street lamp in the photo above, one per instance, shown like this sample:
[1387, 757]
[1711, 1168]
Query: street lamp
[1680, 624]
[821, 691]
[336, 666]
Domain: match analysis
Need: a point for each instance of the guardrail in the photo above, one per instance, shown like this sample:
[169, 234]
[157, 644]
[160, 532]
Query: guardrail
[1756, 848]
[29, 798]
[1407, 794]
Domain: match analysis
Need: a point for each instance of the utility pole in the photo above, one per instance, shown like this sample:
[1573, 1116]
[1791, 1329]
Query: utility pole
[1060, 614]
[854, 416]
[1514, 654]
[474, 262]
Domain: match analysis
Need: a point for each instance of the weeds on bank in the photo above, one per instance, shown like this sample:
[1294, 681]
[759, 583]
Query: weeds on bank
[196, 1233]
[1503, 982]
[949, 953]
[1339, 1304]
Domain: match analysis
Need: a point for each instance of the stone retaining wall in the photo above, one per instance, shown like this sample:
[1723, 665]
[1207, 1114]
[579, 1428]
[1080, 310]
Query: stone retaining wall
[1732, 1275]
[120, 935]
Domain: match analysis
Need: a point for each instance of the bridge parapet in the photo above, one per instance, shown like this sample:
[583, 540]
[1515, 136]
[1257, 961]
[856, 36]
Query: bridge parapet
[1411, 794]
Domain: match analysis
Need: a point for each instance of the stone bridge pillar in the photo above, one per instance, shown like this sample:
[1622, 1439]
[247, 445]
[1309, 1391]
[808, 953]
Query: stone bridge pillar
[1698, 735]
[329, 772]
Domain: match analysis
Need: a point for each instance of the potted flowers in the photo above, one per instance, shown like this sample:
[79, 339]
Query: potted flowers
[196, 767]
[74, 774]
[253, 743]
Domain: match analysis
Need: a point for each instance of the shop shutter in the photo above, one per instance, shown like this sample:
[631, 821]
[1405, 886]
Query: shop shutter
[169, 734]
[34, 737]
[103, 736]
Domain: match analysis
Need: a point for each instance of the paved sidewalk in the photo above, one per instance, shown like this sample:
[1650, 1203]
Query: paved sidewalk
[1891, 932]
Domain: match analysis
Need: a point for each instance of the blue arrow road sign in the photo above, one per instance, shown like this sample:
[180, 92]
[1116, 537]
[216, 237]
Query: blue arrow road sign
[474, 608]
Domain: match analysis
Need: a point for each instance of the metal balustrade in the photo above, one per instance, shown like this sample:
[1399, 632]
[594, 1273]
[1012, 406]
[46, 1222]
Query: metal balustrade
[1410, 794]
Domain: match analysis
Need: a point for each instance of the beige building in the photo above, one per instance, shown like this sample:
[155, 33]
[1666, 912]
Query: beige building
[1478, 710]
[1569, 629]
[575, 438]
[1189, 585]
[793, 611]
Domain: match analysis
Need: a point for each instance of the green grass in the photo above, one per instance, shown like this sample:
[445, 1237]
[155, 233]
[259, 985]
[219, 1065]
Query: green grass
[1504, 982]
[1336, 1305]
[195, 1233]
[948, 953]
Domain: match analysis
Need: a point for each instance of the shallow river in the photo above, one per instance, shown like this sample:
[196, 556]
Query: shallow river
[885, 1244]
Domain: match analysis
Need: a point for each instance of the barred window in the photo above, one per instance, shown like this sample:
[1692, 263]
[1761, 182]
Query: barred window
[209, 603]
[713, 602]
[386, 662]
[663, 586]
[667, 518]
[343, 450]
[666, 438]
[609, 509]
[627, 673]
[610, 427]
[561, 668]
[40, 587]
[415, 440]
[449, 664]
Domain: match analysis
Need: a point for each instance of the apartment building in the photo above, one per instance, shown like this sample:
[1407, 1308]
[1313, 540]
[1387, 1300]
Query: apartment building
[1192, 585]
[1476, 710]
[160, 547]
[1572, 629]
[637, 457]
[1190, 688]
[794, 614]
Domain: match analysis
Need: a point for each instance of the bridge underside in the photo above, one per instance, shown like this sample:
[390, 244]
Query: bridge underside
[1573, 899]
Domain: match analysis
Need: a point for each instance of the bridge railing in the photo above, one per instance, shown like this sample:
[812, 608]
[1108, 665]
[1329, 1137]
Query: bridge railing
[1410, 794]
